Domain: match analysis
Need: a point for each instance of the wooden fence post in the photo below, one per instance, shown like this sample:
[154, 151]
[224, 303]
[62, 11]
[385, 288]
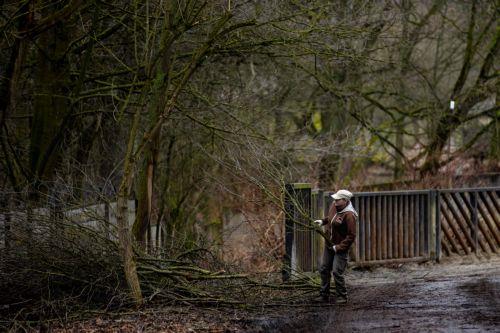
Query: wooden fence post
[475, 221]
[289, 216]
[438, 225]
[298, 238]
[317, 244]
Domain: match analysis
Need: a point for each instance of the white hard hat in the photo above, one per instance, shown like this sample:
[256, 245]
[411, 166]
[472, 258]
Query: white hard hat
[342, 194]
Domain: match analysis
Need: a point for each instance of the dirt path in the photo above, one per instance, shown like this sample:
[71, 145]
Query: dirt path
[460, 296]
[469, 301]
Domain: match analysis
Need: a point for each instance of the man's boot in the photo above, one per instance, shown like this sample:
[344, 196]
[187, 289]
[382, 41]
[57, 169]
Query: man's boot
[322, 298]
[340, 300]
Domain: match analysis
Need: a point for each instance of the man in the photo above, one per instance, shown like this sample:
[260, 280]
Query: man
[341, 224]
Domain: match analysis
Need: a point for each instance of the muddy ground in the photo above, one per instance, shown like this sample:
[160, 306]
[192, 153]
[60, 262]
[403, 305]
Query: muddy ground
[458, 295]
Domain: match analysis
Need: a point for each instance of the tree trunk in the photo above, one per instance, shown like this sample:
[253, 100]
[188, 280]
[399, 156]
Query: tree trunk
[450, 121]
[125, 238]
[145, 192]
[160, 69]
[124, 234]
[51, 104]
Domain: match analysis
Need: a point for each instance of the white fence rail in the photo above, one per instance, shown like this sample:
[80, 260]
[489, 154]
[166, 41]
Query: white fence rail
[100, 217]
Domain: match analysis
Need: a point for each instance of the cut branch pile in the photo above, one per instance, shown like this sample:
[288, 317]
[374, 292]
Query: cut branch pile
[55, 269]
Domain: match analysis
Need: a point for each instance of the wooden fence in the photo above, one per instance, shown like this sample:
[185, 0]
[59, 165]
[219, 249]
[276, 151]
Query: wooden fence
[395, 226]
[469, 220]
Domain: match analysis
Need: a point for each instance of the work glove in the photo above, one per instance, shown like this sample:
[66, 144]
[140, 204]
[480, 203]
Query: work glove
[334, 249]
[319, 222]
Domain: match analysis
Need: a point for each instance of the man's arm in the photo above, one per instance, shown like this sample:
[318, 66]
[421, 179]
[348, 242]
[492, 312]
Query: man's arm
[350, 220]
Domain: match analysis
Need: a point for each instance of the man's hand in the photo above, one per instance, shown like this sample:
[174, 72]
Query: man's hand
[334, 249]
[319, 222]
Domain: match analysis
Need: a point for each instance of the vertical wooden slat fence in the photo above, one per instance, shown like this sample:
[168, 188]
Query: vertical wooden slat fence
[399, 226]
[392, 226]
[298, 235]
[317, 201]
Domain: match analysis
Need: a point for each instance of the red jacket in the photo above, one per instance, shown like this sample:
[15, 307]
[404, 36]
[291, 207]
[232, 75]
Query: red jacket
[343, 230]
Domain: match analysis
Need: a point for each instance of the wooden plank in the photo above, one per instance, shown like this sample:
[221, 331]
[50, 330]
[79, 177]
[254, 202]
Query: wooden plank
[361, 244]
[368, 230]
[289, 231]
[416, 244]
[446, 248]
[487, 199]
[489, 209]
[431, 220]
[400, 227]
[421, 220]
[405, 227]
[458, 235]
[411, 225]
[390, 221]
[436, 229]
[460, 204]
[457, 218]
[361, 222]
[384, 227]
[487, 227]
[394, 238]
[395, 227]
[387, 228]
[475, 219]
[494, 199]
[483, 226]
[368, 224]
[466, 217]
[463, 196]
[449, 236]
[380, 229]
[373, 228]
[466, 198]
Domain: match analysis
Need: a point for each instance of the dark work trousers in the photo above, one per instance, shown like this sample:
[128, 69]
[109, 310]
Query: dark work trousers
[335, 263]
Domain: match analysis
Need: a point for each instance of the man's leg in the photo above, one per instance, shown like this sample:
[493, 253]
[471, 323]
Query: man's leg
[326, 271]
[339, 266]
